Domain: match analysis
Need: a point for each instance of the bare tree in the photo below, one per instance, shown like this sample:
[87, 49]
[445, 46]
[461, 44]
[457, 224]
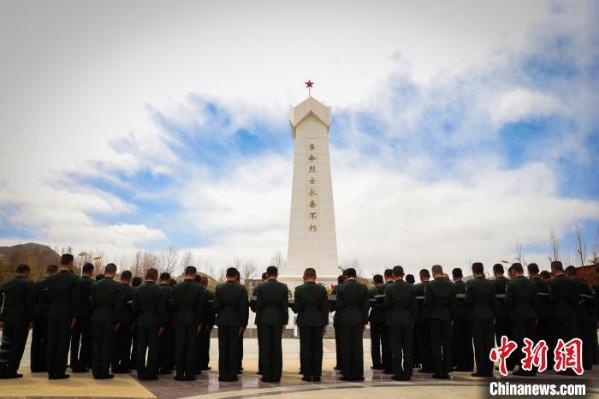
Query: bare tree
[278, 260]
[144, 261]
[248, 270]
[581, 247]
[169, 259]
[554, 244]
[186, 259]
[353, 264]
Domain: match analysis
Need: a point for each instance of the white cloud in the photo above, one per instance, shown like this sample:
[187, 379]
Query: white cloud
[518, 104]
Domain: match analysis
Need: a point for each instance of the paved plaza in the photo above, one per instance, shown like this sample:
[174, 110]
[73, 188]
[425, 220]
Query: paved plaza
[376, 384]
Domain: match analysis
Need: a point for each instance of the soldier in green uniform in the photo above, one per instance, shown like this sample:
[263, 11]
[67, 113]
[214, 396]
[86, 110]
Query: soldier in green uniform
[421, 329]
[440, 300]
[17, 300]
[253, 306]
[481, 300]
[231, 307]
[62, 290]
[121, 361]
[376, 318]
[207, 326]
[166, 357]
[81, 342]
[352, 305]
[463, 358]
[149, 307]
[584, 315]
[188, 304]
[39, 333]
[312, 306]
[400, 306]
[542, 309]
[521, 301]
[333, 308]
[135, 284]
[105, 304]
[272, 301]
[502, 326]
[387, 352]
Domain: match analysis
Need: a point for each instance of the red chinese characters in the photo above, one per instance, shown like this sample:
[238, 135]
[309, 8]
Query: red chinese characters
[568, 355]
[502, 352]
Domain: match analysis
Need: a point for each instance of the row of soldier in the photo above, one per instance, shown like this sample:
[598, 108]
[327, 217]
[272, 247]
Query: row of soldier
[436, 318]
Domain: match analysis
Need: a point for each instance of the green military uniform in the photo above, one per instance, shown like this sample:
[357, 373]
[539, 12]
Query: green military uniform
[502, 325]
[188, 304]
[312, 305]
[422, 337]
[587, 324]
[231, 307]
[17, 297]
[440, 300]
[387, 352]
[39, 333]
[352, 306]
[481, 300]
[62, 309]
[121, 359]
[520, 300]
[376, 318]
[272, 300]
[166, 357]
[204, 337]
[254, 307]
[149, 307]
[81, 341]
[401, 308]
[105, 305]
[564, 297]
[461, 334]
[543, 309]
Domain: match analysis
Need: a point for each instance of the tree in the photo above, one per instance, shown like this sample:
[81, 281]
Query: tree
[247, 270]
[144, 261]
[353, 264]
[554, 245]
[186, 259]
[581, 248]
[169, 259]
[278, 260]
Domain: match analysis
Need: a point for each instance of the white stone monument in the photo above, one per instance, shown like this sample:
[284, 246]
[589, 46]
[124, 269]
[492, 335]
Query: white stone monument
[312, 237]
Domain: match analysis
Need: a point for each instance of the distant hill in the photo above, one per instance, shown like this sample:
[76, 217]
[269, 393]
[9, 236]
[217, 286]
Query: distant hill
[37, 256]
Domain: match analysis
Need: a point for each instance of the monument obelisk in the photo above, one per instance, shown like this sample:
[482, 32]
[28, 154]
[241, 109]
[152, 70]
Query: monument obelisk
[312, 237]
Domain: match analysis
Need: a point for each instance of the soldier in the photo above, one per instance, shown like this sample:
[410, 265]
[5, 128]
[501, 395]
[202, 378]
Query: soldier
[521, 301]
[61, 317]
[208, 325]
[462, 337]
[231, 307]
[440, 300]
[166, 359]
[502, 326]
[333, 307]
[584, 316]
[410, 279]
[272, 300]
[188, 304]
[240, 367]
[149, 307]
[255, 309]
[121, 362]
[81, 342]
[421, 330]
[312, 306]
[377, 320]
[17, 297]
[543, 308]
[387, 352]
[400, 306]
[39, 334]
[564, 297]
[480, 297]
[352, 305]
[105, 305]
[135, 283]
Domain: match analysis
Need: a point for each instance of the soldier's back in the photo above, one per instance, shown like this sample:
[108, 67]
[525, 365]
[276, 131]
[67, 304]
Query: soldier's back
[230, 298]
[18, 302]
[440, 297]
[480, 296]
[61, 290]
[272, 302]
[104, 294]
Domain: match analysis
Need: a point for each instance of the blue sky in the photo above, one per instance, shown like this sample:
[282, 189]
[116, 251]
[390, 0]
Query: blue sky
[455, 138]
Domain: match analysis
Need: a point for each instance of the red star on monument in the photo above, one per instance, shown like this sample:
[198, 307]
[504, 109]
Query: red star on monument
[309, 85]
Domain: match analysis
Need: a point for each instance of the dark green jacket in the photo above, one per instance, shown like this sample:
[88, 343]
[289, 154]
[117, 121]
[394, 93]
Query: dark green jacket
[461, 309]
[352, 303]
[420, 301]
[440, 299]
[167, 292]
[42, 302]
[149, 305]
[311, 304]
[521, 298]
[82, 294]
[480, 298]
[104, 300]
[500, 287]
[209, 317]
[564, 297]
[17, 300]
[543, 306]
[254, 304]
[188, 303]
[377, 308]
[400, 304]
[125, 312]
[231, 304]
[62, 290]
[273, 303]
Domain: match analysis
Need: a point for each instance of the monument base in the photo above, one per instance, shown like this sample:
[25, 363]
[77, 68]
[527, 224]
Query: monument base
[294, 281]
